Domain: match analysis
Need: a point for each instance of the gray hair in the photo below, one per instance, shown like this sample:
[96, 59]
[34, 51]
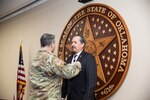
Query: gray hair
[47, 39]
[82, 40]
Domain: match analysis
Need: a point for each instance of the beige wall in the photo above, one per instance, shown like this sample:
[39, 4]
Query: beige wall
[52, 17]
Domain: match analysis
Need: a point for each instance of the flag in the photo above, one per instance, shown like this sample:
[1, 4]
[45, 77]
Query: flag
[21, 81]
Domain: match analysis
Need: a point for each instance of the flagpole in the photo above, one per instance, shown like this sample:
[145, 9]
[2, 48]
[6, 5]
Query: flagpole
[21, 81]
[20, 41]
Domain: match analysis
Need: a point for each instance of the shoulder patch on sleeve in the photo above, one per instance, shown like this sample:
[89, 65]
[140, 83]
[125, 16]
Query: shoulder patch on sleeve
[57, 62]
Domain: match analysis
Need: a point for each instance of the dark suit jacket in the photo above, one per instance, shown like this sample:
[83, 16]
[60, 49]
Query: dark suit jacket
[82, 86]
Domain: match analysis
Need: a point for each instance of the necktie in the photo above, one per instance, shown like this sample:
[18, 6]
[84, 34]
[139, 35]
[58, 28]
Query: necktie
[74, 58]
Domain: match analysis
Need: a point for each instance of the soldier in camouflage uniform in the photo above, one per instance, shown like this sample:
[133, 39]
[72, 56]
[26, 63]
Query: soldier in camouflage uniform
[47, 71]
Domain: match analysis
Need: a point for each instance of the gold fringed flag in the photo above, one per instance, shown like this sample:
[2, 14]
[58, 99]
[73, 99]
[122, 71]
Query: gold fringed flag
[21, 81]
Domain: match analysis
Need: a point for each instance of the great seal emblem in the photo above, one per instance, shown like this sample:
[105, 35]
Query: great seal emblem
[107, 38]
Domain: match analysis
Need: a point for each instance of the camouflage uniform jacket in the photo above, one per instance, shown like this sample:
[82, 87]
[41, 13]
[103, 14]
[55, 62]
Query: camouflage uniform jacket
[46, 73]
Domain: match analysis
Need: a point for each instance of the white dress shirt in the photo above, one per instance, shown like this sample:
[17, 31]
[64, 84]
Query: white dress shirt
[75, 57]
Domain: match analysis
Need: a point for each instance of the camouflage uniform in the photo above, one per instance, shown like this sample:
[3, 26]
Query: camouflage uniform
[46, 73]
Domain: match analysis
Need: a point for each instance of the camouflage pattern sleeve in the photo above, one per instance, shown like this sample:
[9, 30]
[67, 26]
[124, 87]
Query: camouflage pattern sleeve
[63, 69]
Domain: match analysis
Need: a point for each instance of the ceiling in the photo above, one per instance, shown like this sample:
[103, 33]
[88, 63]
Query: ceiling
[11, 8]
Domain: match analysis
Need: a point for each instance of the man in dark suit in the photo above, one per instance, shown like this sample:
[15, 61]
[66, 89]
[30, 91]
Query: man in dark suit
[83, 85]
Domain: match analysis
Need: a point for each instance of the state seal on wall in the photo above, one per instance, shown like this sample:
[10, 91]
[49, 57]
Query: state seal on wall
[107, 39]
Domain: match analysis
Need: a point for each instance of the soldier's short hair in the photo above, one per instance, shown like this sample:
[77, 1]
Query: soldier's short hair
[47, 39]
